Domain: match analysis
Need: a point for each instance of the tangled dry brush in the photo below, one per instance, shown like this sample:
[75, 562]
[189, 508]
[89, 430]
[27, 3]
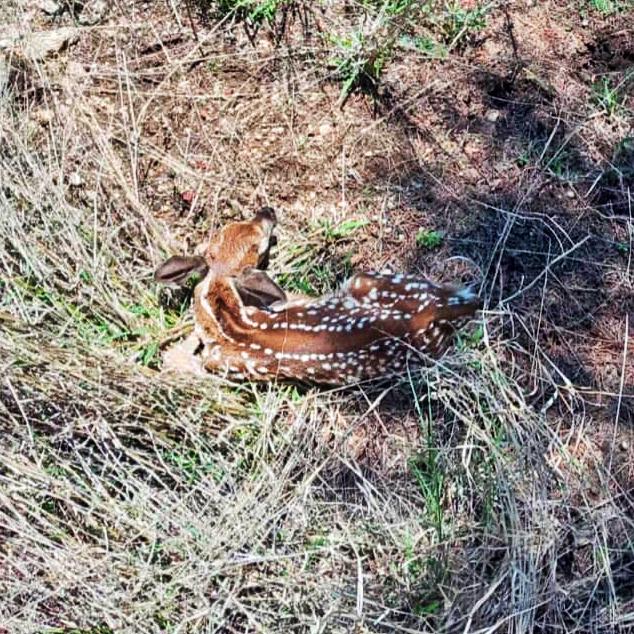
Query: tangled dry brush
[490, 492]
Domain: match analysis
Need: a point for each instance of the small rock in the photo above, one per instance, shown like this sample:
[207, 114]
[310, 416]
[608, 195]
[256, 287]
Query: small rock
[492, 115]
[74, 74]
[624, 445]
[325, 129]
[75, 70]
[75, 179]
[93, 12]
[50, 7]
[570, 193]
[40, 45]
[43, 116]
[8, 38]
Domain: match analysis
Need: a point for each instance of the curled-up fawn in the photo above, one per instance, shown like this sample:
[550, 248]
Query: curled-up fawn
[247, 326]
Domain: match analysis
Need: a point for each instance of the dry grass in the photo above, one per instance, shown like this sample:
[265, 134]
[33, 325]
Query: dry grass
[491, 492]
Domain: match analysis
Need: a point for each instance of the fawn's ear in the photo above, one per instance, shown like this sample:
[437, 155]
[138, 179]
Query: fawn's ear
[268, 214]
[257, 289]
[178, 268]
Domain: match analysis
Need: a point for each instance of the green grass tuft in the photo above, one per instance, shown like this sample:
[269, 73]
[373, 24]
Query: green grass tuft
[429, 238]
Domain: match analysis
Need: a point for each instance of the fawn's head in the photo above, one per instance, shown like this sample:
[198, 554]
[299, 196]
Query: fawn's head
[238, 246]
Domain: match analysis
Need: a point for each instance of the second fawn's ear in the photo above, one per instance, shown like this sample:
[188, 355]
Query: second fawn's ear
[257, 289]
[178, 268]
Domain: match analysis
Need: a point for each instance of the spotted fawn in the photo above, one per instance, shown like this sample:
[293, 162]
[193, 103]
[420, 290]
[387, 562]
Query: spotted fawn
[247, 326]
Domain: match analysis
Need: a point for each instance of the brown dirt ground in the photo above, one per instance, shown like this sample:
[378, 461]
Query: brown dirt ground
[501, 147]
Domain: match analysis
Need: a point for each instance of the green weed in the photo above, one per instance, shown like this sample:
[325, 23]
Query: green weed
[194, 464]
[136, 328]
[341, 231]
[251, 14]
[253, 11]
[414, 565]
[317, 542]
[559, 162]
[314, 279]
[608, 96]
[424, 571]
[466, 339]
[311, 269]
[457, 23]
[426, 45]
[359, 58]
[427, 608]
[430, 477]
[607, 7]
[524, 158]
[559, 165]
[390, 8]
[429, 239]
[303, 272]
[359, 61]
[163, 621]
[297, 282]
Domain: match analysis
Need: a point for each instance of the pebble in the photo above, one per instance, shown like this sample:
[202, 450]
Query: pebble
[8, 38]
[43, 116]
[492, 115]
[93, 12]
[75, 179]
[50, 7]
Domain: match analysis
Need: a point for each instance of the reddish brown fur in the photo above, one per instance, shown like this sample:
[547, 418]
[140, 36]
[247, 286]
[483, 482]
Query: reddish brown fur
[241, 244]
[376, 326]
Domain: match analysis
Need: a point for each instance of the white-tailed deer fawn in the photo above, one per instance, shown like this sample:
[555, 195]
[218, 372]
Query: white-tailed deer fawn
[247, 326]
